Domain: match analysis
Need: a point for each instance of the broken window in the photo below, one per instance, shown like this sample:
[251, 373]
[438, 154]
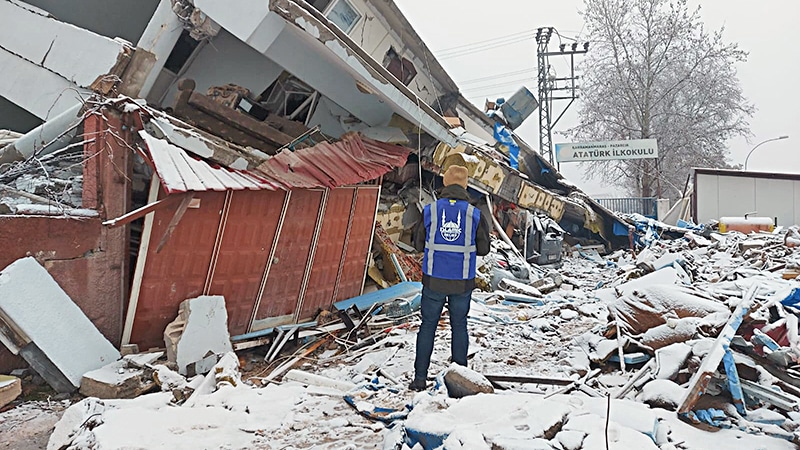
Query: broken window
[400, 67]
[289, 97]
[181, 53]
[343, 15]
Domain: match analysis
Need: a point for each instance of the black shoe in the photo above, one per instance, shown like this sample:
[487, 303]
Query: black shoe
[418, 385]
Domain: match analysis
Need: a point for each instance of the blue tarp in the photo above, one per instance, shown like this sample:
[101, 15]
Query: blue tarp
[506, 137]
[793, 299]
[407, 289]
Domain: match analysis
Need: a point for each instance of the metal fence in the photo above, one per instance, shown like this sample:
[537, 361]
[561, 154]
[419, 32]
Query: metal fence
[645, 206]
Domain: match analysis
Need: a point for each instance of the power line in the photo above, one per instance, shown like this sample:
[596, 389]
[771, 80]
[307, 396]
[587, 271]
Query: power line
[499, 75]
[484, 48]
[494, 85]
[489, 95]
[471, 44]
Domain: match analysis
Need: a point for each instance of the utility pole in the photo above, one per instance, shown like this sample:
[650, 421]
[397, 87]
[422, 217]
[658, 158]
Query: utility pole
[554, 88]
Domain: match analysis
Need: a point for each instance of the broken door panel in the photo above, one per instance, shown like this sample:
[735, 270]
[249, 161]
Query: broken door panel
[252, 221]
[288, 266]
[328, 257]
[351, 279]
[179, 270]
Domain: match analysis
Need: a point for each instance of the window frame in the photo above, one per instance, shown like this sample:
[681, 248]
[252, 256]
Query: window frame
[334, 3]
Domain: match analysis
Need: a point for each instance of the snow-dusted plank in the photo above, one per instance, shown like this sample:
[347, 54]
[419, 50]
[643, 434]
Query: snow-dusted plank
[181, 160]
[244, 180]
[229, 181]
[206, 173]
[61, 332]
[159, 151]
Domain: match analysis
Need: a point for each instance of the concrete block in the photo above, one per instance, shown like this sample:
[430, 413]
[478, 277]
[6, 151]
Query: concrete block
[129, 349]
[198, 334]
[10, 389]
[45, 327]
[116, 380]
[462, 382]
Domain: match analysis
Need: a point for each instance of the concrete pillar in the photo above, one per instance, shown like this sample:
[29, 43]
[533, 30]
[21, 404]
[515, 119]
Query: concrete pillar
[159, 38]
[48, 137]
[662, 208]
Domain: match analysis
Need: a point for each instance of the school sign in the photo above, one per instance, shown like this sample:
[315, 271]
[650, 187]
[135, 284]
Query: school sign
[607, 150]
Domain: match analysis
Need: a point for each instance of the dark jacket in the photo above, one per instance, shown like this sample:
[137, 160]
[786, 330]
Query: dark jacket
[441, 285]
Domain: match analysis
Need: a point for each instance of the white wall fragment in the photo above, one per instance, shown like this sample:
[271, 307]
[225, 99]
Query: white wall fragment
[38, 306]
[198, 334]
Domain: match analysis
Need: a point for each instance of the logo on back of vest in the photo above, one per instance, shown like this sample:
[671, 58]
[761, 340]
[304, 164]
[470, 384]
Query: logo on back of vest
[450, 231]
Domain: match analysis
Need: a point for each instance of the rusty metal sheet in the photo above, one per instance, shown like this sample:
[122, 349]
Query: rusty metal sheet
[351, 279]
[246, 243]
[179, 270]
[330, 244]
[351, 160]
[286, 273]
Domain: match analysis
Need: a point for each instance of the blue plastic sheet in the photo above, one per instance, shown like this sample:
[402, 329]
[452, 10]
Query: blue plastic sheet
[406, 289]
[793, 299]
[734, 385]
[505, 137]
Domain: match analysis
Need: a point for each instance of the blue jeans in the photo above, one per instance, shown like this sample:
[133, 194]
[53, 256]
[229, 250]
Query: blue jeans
[432, 304]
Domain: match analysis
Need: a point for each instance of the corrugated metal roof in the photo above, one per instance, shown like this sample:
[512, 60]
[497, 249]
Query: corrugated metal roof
[180, 172]
[351, 160]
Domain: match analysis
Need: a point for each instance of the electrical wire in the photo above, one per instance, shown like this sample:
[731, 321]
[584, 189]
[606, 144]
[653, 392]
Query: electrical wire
[472, 44]
[494, 85]
[485, 48]
[499, 75]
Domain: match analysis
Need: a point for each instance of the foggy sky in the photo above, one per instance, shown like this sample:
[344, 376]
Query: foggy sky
[767, 30]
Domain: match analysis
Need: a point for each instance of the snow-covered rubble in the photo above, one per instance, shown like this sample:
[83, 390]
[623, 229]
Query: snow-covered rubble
[604, 341]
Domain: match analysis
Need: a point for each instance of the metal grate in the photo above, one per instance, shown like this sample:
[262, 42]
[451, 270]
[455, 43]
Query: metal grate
[645, 206]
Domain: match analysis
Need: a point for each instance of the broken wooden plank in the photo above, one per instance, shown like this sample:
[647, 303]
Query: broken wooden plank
[10, 389]
[574, 384]
[646, 371]
[620, 342]
[313, 379]
[704, 374]
[244, 345]
[289, 364]
[141, 212]
[777, 398]
[176, 218]
[524, 379]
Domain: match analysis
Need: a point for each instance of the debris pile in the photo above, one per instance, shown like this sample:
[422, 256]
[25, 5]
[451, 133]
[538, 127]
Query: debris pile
[640, 349]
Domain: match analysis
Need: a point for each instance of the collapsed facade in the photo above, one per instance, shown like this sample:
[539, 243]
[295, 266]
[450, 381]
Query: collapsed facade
[237, 151]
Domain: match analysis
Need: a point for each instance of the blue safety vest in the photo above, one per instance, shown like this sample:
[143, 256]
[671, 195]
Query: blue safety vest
[450, 251]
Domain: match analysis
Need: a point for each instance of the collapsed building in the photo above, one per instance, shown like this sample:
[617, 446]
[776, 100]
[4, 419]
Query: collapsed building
[250, 152]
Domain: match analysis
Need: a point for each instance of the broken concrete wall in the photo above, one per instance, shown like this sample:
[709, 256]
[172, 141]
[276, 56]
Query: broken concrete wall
[89, 261]
[72, 251]
[41, 58]
[94, 15]
[41, 323]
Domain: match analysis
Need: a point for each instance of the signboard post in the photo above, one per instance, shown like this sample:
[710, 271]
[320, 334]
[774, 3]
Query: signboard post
[607, 150]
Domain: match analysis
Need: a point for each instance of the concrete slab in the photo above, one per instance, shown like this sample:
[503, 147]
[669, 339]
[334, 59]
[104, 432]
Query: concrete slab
[44, 326]
[198, 334]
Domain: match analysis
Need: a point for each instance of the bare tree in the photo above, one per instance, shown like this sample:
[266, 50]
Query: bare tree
[653, 71]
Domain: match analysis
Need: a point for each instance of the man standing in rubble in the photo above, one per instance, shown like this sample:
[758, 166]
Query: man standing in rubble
[452, 234]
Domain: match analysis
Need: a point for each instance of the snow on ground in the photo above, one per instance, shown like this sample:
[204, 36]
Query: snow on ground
[28, 426]
[226, 412]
